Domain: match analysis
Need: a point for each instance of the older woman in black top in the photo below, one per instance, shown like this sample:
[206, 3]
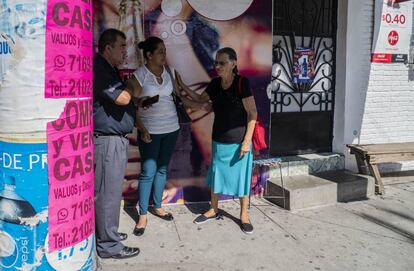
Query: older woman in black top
[235, 117]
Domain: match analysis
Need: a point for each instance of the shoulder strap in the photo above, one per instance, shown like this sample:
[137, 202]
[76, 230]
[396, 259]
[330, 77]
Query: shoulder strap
[172, 78]
[169, 71]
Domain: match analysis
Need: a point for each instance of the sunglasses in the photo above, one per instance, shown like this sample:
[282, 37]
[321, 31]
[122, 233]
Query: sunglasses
[221, 63]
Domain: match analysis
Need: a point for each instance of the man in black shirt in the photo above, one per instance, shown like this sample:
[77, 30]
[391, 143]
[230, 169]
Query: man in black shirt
[114, 118]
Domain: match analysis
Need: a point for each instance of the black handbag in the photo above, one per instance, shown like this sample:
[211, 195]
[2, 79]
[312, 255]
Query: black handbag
[183, 117]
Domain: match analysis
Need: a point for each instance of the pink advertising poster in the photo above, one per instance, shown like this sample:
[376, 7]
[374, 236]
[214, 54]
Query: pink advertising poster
[70, 170]
[68, 49]
[68, 76]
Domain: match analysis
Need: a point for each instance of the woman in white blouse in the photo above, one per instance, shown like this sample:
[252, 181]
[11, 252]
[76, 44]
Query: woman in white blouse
[157, 125]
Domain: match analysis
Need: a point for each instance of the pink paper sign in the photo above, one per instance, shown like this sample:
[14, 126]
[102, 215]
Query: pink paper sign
[69, 49]
[68, 75]
[70, 172]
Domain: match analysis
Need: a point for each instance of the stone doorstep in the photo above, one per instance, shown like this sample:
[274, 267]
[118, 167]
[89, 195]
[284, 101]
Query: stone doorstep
[309, 164]
[326, 188]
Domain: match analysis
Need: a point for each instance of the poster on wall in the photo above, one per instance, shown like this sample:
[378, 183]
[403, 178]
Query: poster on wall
[193, 30]
[303, 65]
[393, 29]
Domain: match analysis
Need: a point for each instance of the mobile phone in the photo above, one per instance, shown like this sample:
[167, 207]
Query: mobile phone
[150, 101]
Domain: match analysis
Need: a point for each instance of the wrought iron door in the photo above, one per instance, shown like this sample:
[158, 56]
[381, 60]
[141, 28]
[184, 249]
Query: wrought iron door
[303, 76]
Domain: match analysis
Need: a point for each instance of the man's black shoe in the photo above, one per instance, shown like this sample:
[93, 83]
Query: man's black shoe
[123, 236]
[126, 252]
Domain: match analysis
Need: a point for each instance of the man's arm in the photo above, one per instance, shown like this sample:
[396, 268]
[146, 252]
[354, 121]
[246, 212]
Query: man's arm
[124, 97]
[122, 94]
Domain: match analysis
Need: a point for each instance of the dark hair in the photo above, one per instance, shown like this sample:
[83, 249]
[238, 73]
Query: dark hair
[149, 45]
[231, 53]
[108, 37]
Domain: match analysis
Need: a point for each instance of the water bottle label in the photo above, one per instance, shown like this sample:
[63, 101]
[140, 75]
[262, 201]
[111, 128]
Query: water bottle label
[9, 252]
[18, 250]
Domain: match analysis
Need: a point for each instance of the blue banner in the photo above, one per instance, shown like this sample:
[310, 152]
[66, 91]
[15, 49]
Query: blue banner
[24, 214]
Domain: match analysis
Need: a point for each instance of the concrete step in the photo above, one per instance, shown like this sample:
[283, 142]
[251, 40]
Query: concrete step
[320, 189]
[309, 164]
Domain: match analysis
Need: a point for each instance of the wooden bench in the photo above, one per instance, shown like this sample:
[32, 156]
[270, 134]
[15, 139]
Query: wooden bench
[373, 154]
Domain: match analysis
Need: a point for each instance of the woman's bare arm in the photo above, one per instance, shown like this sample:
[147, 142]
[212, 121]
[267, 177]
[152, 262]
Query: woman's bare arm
[199, 98]
[191, 99]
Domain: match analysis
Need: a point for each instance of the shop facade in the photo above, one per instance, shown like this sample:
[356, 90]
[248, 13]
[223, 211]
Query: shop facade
[351, 99]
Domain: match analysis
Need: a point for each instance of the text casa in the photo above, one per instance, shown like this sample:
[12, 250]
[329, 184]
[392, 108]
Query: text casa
[63, 15]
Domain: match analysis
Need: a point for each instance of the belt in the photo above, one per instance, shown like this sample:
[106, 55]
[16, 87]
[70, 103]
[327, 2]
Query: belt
[101, 135]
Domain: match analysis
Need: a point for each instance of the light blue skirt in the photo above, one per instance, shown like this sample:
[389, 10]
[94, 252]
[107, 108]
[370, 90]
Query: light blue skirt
[228, 174]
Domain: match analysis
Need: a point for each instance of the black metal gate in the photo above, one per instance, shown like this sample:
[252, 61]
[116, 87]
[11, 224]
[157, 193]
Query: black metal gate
[303, 77]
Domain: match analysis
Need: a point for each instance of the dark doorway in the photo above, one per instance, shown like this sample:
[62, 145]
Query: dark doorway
[303, 80]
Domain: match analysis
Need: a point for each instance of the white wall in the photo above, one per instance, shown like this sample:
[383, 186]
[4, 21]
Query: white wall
[379, 98]
[340, 87]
